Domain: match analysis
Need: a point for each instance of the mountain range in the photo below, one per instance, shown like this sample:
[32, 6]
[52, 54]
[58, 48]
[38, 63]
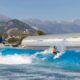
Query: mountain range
[50, 27]
[55, 27]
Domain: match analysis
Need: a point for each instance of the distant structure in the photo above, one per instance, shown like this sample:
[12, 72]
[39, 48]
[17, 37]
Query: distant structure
[69, 41]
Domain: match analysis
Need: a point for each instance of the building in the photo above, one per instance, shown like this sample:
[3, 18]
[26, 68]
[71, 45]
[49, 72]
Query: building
[69, 41]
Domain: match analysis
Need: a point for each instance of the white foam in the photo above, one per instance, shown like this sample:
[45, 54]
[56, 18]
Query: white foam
[47, 51]
[15, 59]
[58, 55]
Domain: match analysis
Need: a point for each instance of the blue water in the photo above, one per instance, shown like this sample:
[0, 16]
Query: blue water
[30, 64]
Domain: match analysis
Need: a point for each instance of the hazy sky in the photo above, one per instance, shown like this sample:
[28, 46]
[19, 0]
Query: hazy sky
[41, 9]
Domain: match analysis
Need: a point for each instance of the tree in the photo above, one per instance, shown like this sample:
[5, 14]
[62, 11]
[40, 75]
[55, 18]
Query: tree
[40, 32]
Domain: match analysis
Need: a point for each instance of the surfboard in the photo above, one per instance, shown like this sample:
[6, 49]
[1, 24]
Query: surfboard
[58, 55]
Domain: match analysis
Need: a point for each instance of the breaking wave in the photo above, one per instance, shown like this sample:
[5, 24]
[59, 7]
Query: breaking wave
[23, 64]
[29, 56]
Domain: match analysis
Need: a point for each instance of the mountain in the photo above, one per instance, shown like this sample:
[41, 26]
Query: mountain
[70, 26]
[17, 24]
[12, 24]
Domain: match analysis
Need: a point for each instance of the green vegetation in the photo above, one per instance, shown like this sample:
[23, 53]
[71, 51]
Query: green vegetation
[13, 40]
[40, 32]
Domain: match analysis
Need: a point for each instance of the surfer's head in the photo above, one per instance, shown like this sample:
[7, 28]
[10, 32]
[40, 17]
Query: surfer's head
[55, 47]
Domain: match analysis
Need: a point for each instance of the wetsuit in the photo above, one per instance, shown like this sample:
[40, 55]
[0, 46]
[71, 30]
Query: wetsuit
[55, 51]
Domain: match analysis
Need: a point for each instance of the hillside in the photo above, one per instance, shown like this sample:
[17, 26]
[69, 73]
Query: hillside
[15, 24]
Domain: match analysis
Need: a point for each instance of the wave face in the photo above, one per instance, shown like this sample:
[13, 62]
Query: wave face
[15, 54]
[29, 64]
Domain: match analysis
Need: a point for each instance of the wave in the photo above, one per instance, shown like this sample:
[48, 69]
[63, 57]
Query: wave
[28, 56]
[15, 59]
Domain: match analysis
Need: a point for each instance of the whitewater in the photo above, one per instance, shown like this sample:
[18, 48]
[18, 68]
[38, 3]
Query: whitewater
[30, 64]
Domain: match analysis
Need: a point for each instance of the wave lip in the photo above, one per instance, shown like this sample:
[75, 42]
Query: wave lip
[15, 59]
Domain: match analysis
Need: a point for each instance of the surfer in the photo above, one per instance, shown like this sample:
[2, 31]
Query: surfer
[55, 51]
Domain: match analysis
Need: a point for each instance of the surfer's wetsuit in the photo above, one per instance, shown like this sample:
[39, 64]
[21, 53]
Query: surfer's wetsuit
[55, 51]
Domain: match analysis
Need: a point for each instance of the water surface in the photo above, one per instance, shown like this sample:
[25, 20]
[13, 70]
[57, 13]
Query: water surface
[30, 64]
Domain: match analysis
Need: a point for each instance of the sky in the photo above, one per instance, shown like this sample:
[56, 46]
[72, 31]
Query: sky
[41, 9]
